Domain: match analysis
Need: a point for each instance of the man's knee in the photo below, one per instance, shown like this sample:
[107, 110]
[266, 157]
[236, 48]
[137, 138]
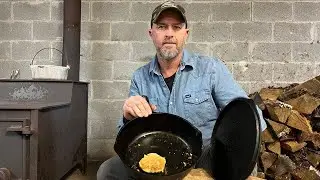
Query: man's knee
[112, 168]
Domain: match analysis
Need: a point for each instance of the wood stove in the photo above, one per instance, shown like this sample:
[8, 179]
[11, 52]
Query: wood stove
[43, 128]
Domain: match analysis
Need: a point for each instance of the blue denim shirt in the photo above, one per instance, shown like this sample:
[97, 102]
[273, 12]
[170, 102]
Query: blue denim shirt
[202, 87]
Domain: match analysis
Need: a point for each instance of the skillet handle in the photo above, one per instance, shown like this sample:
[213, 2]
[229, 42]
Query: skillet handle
[147, 99]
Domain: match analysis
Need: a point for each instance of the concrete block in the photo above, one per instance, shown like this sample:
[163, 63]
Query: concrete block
[292, 31]
[257, 86]
[110, 90]
[210, 32]
[108, 111]
[272, 11]
[198, 12]
[124, 69]
[111, 51]
[47, 30]
[129, 31]
[6, 68]
[95, 31]
[199, 48]
[141, 11]
[102, 129]
[294, 72]
[280, 52]
[55, 55]
[306, 52]
[306, 11]
[247, 71]
[230, 11]
[5, 50]
[142, 51]
[100, 149]
[57, 10]
[253, 31]
[92, 70]
[5, 11]
[15, 31]
[110, 11]
[31, 11]
[230, 51]
[26, 50]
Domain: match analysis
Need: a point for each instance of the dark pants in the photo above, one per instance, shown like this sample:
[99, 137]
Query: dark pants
[114, 169]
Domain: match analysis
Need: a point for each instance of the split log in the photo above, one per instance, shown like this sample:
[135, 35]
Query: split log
[312, 138]
[267, 159]
[282, 165]
[297, 121]
[270, 93]
[313, 158]
[305, 174]
[267, 137]
[278, 128]
[305, 104]
[274, 147]
[293, 146]
[198, 174]
[278, 111]
[311, 86]
[286, 176]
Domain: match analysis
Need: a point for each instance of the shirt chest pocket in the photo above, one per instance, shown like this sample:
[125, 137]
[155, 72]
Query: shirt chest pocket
[199, 106]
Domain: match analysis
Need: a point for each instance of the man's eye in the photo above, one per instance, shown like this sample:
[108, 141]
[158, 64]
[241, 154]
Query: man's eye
[178, 27]
[161, 26]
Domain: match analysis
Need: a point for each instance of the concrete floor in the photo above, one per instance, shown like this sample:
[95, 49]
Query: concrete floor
[92, 169]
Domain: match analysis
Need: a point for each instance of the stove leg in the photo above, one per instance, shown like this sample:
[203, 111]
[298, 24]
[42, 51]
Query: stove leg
[83, 167]
[5, 174]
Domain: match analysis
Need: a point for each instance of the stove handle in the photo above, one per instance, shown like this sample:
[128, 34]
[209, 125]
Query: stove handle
[26, 130]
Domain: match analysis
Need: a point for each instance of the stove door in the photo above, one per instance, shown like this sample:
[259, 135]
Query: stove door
[14, 145]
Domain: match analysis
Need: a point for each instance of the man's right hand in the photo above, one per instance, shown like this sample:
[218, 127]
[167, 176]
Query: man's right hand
[137, 106]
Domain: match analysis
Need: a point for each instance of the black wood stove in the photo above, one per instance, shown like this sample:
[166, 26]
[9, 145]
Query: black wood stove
[43, 128]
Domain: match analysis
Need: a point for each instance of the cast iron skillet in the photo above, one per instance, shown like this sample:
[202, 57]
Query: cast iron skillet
[166, 134]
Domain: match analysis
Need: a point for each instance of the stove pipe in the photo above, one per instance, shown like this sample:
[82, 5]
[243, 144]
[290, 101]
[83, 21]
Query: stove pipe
[71, 37]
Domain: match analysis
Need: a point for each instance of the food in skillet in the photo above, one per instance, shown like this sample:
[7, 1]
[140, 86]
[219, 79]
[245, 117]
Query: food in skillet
[152, 163]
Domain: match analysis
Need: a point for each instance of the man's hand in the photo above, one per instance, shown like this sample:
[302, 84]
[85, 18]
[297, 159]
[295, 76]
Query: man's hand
[137, 106]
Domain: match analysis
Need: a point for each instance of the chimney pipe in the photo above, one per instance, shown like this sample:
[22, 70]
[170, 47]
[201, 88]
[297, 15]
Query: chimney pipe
[71, 37]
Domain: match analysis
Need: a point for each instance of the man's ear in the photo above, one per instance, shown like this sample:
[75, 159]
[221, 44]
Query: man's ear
[150, 32]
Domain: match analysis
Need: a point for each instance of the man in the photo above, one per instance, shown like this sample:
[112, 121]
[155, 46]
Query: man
[175, 81]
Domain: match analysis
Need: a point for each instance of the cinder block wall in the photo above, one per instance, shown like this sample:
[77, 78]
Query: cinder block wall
[263, 43]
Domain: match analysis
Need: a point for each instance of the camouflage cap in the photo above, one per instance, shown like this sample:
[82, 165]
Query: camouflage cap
[167, 5]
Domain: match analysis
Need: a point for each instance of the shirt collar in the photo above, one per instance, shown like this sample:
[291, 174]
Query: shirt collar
[187, 60]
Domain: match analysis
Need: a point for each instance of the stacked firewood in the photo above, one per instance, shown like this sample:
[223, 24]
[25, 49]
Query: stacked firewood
[290, 146]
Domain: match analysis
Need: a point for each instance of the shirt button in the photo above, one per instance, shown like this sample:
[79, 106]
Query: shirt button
[197, 100]
[170, 103]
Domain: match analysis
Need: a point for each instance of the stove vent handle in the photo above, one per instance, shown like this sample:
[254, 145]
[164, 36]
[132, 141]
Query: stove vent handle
[26, 130]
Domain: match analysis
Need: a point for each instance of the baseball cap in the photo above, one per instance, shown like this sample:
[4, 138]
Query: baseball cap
[168, 5]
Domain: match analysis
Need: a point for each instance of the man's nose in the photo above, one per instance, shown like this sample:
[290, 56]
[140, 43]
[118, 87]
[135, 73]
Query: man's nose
[169, 32]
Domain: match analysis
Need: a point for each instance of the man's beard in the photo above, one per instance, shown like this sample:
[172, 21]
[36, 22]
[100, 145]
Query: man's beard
[168, 53]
